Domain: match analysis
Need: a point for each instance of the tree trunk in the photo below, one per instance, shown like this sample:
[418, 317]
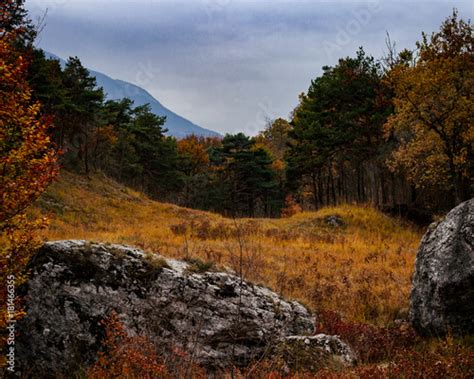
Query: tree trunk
[455, 179]
[333, 191]
[86, 153]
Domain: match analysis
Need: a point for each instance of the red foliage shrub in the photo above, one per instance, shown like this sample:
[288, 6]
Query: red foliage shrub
[124, 356]
[397, 352]
[444, 360]
[372, 344]
[291, 207]
[384, 353]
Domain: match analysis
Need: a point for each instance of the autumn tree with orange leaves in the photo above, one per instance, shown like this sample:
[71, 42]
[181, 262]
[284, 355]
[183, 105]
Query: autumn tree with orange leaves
[434, 118]
[194, 165]
[28, 163]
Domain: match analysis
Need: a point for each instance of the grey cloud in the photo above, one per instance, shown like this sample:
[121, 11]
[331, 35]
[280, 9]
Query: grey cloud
[226, 64]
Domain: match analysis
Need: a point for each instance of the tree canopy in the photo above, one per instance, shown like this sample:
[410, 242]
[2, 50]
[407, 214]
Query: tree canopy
[433, 119]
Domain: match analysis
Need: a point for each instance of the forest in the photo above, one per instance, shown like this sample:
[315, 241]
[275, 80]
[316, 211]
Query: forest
[392, 132]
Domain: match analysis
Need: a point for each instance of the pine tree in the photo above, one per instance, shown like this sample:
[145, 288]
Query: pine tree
[81, 113]
[337, 132]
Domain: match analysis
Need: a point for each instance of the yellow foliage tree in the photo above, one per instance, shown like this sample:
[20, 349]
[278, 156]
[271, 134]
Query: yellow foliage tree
[194, 161]
[434, 119]
[194, 149]
[275, 137]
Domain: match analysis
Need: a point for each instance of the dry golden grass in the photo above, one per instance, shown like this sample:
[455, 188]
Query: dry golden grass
[361, 269]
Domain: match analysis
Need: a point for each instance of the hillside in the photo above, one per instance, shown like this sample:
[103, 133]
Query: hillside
[350, 265]
[116, 89]
[349, 259]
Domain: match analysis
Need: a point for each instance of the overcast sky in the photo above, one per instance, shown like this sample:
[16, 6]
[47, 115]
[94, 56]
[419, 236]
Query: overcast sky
[228, 65]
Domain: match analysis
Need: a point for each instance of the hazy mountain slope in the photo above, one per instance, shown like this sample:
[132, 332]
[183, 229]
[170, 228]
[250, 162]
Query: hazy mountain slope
[117, 89]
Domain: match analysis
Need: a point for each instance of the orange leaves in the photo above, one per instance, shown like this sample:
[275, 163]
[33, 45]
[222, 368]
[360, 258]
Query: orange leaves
[27, 160]
[107, 134]
[28, 163]
[434, 119]
[195, 150]
[124, 356]
[291, 207]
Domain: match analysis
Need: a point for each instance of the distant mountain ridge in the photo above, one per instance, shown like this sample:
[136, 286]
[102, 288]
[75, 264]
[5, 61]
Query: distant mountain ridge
[116, 89]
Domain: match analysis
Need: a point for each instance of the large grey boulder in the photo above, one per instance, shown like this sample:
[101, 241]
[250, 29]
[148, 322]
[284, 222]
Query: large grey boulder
[442, 297]
[214, 316]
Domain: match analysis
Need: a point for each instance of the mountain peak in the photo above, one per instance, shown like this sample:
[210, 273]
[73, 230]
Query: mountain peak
[116, 89]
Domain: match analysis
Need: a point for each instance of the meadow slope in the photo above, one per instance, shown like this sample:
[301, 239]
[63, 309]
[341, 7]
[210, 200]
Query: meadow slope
[360, 268]
[351, 265]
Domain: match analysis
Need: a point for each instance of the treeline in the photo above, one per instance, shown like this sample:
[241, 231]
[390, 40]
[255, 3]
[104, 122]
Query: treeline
[396, 133]
[233, 175]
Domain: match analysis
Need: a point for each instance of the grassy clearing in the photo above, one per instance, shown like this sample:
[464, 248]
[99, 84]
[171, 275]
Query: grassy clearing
[360, 268]
[352, 265]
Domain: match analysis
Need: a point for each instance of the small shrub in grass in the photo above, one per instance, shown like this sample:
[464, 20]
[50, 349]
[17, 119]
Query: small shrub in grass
[180, 364]
[266, 369]
[444, 359]
[203, 230]
[397, 352]
[198, 266]
[124, 356]
[179, 229]
[157, 262]
[372, 344]
[441, 359]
